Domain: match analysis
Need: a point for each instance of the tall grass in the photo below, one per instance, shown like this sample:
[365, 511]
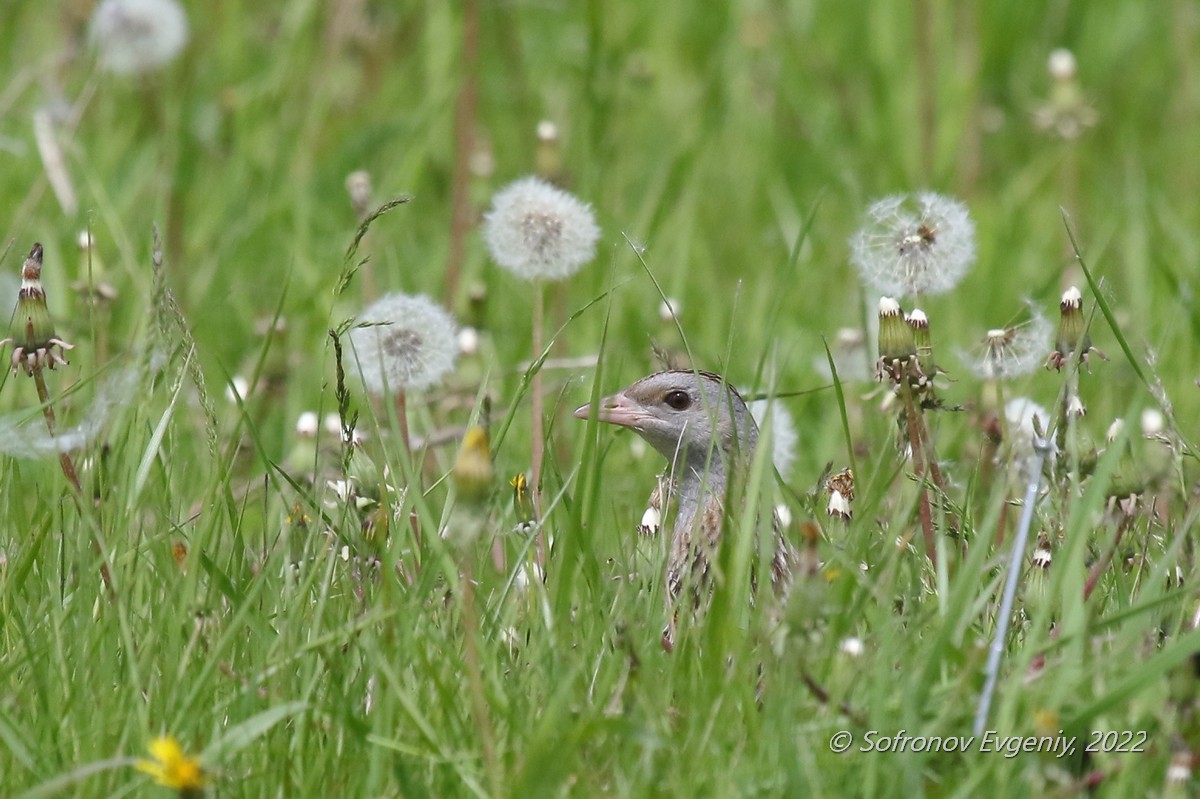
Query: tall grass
[302, 645]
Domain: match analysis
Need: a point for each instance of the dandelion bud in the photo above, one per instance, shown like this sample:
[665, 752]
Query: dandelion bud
[896, 343]
[358, 186]
[923, 342]
[522, 502]
[473, 472]
[1072, 336]
[841, 495]
[651, 522]
[549, 150]
[35, 344]
[895, 336]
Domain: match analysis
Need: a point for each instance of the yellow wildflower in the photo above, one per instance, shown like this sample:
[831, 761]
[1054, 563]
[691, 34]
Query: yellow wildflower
[473, 471]
[172, 768]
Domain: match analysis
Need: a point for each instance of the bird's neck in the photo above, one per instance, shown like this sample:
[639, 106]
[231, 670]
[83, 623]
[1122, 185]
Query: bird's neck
[697, 482]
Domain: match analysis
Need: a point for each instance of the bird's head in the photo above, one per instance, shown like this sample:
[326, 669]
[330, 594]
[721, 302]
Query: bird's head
[683, 415]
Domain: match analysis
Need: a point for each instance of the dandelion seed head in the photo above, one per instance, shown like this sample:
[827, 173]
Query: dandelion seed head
[771, 416]
[539, 232]
[403, 343]
[914, 245]
[137, 36]
[1009, 352]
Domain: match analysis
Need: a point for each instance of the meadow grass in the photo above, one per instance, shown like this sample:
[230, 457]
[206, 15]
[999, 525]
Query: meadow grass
[300, 645]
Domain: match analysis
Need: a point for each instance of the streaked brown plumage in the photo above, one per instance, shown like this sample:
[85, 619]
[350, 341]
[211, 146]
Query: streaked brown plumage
[702, 427]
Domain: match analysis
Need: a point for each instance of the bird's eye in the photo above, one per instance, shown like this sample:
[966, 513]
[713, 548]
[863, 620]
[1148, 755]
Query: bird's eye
[678, 399]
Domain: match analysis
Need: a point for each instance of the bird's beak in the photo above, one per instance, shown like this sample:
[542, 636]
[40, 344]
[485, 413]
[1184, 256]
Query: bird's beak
[617, 409]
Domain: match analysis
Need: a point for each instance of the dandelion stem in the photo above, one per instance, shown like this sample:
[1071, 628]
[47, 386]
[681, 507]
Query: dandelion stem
[464, 127]
[926, 84]
[68, 468]
[402, 418]
[1040, 449]
[536, 403]
[479, 708]
[915, 425]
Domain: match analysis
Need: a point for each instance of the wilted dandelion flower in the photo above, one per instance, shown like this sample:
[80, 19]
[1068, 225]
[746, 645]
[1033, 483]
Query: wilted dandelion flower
[538, 231]
[403, 343]
[772, 416]
[137, 36]
[914, 245]
[1012, 351]
[173, 769]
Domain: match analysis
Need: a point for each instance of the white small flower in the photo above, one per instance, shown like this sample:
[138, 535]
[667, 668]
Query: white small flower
[854, 647]
[332, 424]
[539, 232]
[1114, 430]
[403, 343]
[1153, 422]
[651, 522]
[1075, 407]
[137, 36]
[668, 309]
[238, 389]
[468, 341]
[1042, 557]
[307, 424]
[914, 245]
[773, 418]
[1061, 64]
[547, 130]
[783, 515]
[342, 489]
[839, 506]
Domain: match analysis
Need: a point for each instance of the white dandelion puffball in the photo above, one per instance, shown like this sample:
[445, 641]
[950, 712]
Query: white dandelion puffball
[403, 343]
[914, 245]
[1010, 352]
[137, 36]
[770, 415]
[540, 232]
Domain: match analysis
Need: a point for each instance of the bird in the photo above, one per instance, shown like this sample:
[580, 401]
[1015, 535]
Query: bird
[701, 425]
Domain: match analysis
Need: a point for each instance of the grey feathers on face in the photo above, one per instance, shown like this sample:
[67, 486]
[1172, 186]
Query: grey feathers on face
[683, 415]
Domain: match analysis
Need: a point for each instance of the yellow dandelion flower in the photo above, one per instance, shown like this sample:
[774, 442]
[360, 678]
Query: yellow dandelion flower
[473, 472]
[173, 769]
